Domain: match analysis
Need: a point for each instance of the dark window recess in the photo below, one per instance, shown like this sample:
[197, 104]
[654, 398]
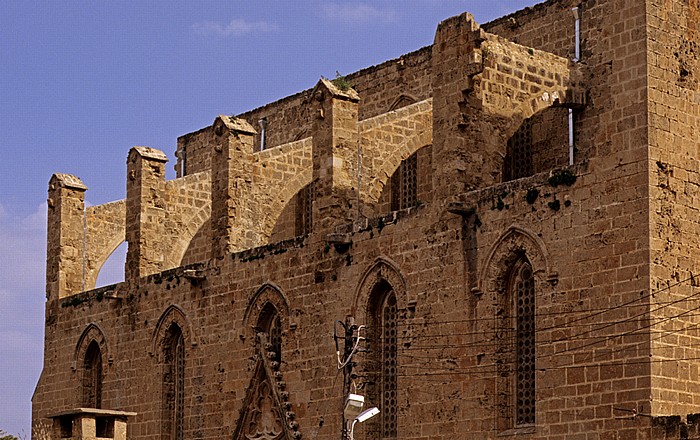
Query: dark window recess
[404, 184]
[518, 160]
[304, 210]
[174, 385]
[92, 376]
[524, 290]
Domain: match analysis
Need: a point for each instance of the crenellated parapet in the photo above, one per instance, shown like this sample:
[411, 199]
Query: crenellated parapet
[231, 195]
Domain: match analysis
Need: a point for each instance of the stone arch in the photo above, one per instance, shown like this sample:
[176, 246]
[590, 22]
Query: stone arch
[402, 100]
[268, 293]
[277, 205]
[560, 97]
[92, 332]
[173, 314]
[99, 260]
[512, 245]
[193, 225]
[382, 270]
[421, 139]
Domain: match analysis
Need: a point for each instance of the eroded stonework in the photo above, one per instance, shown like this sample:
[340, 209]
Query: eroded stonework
[509, 237]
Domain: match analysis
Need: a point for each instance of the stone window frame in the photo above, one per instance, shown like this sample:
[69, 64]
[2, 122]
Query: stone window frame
[382, 276]
[267, 310]
[515, 245]
[92, 336]
[382, 343]
[162, 341]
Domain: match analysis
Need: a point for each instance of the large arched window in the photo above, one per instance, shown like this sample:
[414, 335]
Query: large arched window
[92, 376]
[383, 313]
[173, 384]
[522, 294]
[270, 323]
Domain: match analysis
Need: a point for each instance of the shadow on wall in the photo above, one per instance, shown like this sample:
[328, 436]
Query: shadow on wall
[112, 271]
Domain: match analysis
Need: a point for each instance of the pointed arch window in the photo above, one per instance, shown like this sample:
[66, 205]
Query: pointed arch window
[270, 323]
[522, 292]
[404, 184]
[173, 384]
[92, 376]
[383, 342]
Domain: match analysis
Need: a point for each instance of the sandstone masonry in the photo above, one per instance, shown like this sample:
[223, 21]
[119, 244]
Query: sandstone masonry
[427, 233]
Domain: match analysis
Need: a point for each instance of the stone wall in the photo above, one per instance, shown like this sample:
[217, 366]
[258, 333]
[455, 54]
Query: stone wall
[610, 241]
[673, 167]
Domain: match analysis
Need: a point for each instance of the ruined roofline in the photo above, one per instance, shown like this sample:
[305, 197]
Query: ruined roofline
[527, 11]
[385, 64]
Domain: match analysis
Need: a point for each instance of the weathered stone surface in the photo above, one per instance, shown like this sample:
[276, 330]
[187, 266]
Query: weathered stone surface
[612, 243]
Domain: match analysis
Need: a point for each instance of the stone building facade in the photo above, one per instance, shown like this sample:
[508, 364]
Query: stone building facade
[506, 222]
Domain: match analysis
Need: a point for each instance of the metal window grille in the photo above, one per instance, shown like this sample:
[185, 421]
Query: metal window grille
[174, 385]
[92, 377]
[518, 160]
[304, 211]
[275, 332]
[389, 367]
[524, 285]
[404, 184]
[179, 415]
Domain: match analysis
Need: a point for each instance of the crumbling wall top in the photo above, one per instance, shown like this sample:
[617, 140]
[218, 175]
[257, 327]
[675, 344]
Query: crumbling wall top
[150, 153]
[67, 181]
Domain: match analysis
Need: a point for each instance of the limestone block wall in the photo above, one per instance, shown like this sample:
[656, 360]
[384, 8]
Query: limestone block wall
[673, 67]
[189, 207]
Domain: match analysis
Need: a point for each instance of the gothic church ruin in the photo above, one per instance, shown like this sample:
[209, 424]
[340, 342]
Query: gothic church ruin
[493, 237]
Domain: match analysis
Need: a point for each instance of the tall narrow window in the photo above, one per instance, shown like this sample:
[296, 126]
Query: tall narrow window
[304, 205]
[404, 184]
[92, 376]
[383, 342]
[271, 324]
[173, 384]
[518, 160]
[523, 295]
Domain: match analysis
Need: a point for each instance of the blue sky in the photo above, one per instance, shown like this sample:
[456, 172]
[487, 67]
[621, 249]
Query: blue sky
[83, 81]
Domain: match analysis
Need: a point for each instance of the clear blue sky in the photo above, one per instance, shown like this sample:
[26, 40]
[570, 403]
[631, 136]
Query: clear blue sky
[83, 81]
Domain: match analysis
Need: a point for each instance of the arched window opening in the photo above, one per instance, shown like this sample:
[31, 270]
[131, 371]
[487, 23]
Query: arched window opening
[404, 184]
[522, 290]
[303, 215]
[270, 323]
[540, 144]
[383, 345]
[173, 384]
[92, 376]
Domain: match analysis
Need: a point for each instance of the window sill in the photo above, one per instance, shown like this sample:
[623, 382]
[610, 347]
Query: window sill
[520, 430]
